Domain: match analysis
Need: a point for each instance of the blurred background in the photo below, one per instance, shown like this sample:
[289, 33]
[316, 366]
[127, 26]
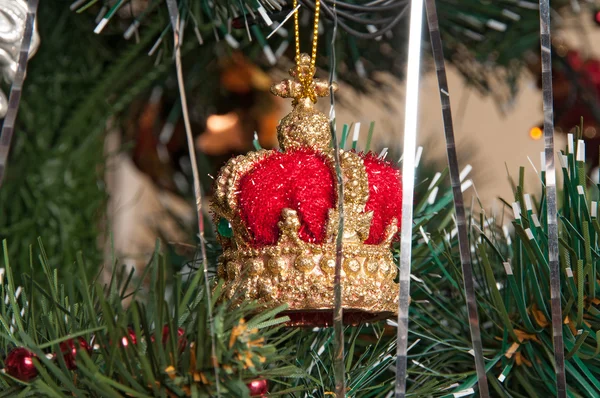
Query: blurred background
[99, 160]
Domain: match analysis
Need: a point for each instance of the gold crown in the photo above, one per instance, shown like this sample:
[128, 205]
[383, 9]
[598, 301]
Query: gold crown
[294, 271]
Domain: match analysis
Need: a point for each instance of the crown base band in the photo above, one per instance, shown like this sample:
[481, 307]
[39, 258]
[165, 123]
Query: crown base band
[305, 283]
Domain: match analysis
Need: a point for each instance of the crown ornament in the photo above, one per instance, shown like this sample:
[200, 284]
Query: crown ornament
[277, 218]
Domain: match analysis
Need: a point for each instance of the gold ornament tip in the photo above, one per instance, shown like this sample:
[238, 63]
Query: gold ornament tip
[303, 83]
[294, 89]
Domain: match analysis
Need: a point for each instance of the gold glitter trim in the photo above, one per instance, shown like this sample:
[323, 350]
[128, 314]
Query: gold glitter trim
[301, 274]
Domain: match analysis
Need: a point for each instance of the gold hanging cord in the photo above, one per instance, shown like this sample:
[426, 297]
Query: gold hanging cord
[306, 76]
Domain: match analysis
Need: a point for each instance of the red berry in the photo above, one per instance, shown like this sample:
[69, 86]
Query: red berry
[132, 338]
[258, 387]
[180, 333]
[69, 350]
[19, 364]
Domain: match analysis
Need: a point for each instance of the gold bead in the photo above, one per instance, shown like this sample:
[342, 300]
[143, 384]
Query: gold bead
[371, 266]
[233, 270]
[351, 265]
[276, 265]
[304, 263]
[327, 264]
[265, 287]
[254, 266]
[384, 267]
[221, 271]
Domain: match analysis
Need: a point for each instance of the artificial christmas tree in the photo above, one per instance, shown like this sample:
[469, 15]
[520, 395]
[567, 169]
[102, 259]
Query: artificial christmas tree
[232, 345]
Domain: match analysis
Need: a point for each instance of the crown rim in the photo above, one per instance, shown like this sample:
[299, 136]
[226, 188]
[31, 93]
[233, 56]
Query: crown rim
[301, 274]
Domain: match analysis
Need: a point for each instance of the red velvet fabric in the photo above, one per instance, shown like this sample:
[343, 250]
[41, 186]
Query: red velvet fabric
[385, 196]
[300, 180]
[303, 181]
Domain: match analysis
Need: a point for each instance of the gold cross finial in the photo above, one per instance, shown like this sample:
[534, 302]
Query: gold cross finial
[304, 85]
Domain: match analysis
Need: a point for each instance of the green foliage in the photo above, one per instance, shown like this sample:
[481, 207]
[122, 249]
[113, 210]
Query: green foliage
[486, 42]
[154, 363]
[249, 344]
[52, 182]
[513, 294]
[579, 256]
[489, 43]
[54, 186]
